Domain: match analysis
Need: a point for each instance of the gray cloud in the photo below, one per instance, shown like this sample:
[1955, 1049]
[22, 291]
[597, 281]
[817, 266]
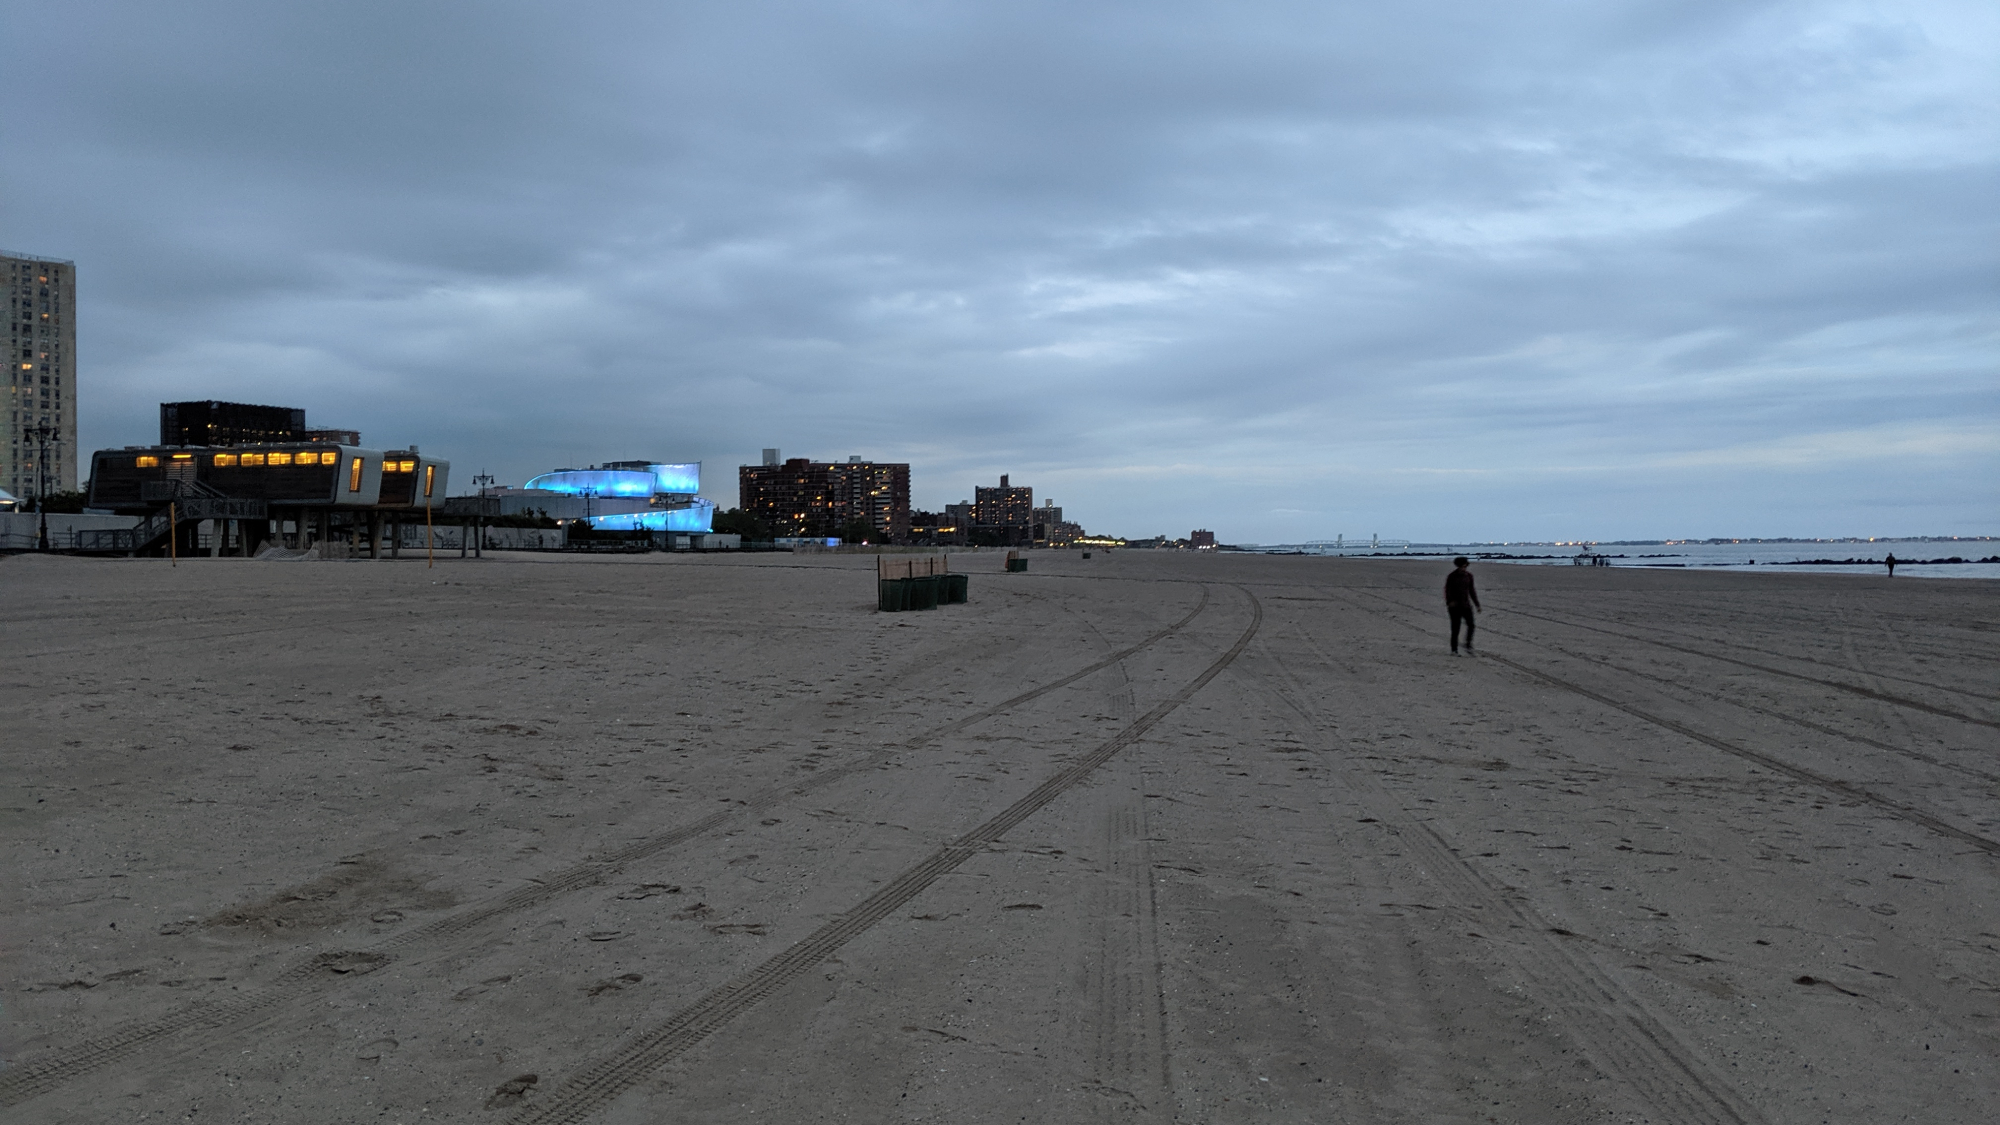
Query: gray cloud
[1436, 271]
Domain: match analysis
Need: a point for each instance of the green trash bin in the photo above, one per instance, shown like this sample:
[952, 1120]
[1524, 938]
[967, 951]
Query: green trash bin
[955, 584]
[923, 592]
[893, 594]
[1016, 566]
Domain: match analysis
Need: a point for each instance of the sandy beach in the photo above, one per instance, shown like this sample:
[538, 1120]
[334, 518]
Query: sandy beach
[1151, 837]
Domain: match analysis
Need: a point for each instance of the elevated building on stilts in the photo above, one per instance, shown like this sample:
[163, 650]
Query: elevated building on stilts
[339, 498]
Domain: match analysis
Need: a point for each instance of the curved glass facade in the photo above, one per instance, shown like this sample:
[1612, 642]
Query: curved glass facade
[596, 482]
[623, 478]
[697, 518]
[640, 496]
[677, 478]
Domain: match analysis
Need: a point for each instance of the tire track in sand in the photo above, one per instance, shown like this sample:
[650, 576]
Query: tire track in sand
[1769, 713]
[597, 1084]
[1124, 1009]
[1848, 789]
[1609, 1023]
[1838, 685]
[32, 1077]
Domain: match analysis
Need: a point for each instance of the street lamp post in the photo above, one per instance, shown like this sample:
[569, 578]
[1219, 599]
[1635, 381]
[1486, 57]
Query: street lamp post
[480, 483]
[45, 434]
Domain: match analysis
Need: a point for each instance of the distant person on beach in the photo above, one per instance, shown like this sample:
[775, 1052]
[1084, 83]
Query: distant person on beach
[1891, 560]
[1460, 599]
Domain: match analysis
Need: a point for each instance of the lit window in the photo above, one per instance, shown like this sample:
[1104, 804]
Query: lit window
[252, 460]
[183, 456]
[149, 462]
[330, 457]
[430, 478]
[225, 460]
[280, 459]
[354, 475]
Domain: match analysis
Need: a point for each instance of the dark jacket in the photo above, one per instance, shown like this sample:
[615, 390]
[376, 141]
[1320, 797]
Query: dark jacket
[1458, 590]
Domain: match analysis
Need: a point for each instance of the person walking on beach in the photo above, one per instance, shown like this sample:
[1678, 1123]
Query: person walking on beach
[1460, 599]
[1891, 560]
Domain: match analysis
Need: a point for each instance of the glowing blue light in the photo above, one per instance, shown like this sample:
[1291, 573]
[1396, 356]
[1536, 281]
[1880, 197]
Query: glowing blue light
[697, 519]
[677, 478]
[596, 482]
[631, 478]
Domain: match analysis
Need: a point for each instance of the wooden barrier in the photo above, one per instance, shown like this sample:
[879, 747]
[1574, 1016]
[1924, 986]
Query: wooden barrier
[917, 583]
[887, 568]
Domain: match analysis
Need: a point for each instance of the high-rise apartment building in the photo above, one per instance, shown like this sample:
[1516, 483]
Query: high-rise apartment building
[1006, 508]
[806, 498]
[1047, 517]
[38, 444]
[1052, 529]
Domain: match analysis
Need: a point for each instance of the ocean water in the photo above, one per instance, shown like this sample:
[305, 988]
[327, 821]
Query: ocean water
[1915, 558]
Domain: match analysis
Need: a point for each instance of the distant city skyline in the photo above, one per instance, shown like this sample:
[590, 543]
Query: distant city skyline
[1278, 271]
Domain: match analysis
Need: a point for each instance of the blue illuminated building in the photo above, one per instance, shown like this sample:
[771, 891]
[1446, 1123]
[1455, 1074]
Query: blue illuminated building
[695, 519]
[593, 482]
[618, 496]
[623, 478]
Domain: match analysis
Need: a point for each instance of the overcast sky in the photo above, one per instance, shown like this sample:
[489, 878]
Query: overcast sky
[1438, 271]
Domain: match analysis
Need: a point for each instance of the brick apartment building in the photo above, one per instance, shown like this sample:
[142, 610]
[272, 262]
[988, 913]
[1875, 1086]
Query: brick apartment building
[1006, 511]
[805, 498]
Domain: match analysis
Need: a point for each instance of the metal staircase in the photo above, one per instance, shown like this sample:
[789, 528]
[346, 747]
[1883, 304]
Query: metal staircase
[182, 502]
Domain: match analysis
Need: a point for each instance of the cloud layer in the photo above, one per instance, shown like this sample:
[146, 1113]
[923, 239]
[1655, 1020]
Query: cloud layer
[1441, 271]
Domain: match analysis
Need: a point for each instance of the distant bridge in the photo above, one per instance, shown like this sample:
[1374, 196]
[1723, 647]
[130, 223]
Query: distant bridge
[1341, 543]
